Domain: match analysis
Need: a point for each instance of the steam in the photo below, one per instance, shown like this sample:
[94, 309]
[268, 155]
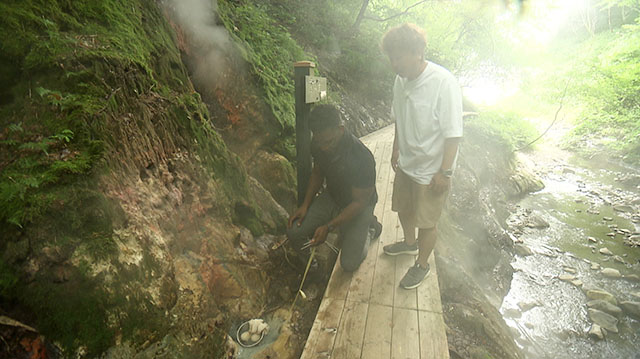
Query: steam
[207, 44]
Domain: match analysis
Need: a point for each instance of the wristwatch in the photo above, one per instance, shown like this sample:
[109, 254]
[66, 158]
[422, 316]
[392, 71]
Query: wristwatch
[447, 173]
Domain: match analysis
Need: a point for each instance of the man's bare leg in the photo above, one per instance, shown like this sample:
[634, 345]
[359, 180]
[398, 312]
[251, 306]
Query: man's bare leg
[408, 224]
[426, 243]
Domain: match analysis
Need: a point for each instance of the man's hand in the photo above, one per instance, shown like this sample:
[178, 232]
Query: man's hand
[298, 215]
[320, 235]
[440, 183]
[394, 160]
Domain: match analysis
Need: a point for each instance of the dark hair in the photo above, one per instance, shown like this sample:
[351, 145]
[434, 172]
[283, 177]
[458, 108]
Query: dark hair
[323, 117]
[407, 37]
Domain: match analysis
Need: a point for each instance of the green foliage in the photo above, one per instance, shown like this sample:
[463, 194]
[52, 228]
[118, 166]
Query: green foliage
[271, 52]
[508, 128]
[607, 84]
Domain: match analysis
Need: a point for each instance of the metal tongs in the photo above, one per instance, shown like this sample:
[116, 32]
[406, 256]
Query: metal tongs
[308, 243]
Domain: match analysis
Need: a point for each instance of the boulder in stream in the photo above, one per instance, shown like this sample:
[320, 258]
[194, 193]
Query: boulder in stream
[566, 277]
[604, 320]
[610, 273]
[601, 294]
[596, 332]
[631, 308]
[522, 250]
[605, 306]
[623, 208]
[605, 251]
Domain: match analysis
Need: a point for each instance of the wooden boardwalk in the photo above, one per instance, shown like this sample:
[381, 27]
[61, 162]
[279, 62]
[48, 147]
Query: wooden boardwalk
[366, 314]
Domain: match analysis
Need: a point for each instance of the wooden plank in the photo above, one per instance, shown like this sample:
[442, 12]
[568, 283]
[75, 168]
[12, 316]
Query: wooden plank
[377, 335]
[429, 291]
[404, 338]
[383, 276]
[433, 336]
[323, 332]
[403, 298]
[338, 285]
[362, 281]
[348, 344]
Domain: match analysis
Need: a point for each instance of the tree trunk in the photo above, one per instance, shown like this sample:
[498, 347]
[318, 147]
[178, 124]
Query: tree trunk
[363, 9]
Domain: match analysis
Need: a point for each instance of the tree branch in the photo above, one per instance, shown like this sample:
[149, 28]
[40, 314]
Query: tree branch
[406, 11]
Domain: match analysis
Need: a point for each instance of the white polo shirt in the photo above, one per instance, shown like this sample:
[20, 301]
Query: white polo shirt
[427, 110]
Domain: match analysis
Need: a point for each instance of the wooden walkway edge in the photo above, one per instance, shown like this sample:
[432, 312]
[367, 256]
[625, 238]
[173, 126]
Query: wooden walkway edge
[366, 314]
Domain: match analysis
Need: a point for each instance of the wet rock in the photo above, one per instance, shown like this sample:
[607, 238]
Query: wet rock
[596, 294]
[623, 208]
[631, 277]
[619, 259]
[568, 170]
[566, 277]
[535, 221]
[604, 320]
[605, 251]
[529, 325]
[595, 332]
[592, 240]
[611, 234]
[512, 313]
[577, 282]
[636, 295]
[593, 211]
[569, 269]
[522, 250]
[611, 273]
[631, 308]
[525, 306]
[605, 306]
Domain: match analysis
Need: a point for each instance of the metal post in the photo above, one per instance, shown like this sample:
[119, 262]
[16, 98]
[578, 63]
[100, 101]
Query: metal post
[303, 135]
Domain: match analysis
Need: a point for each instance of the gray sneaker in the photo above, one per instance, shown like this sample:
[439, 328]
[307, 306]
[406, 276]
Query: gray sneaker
[414, 277]
[400, 248]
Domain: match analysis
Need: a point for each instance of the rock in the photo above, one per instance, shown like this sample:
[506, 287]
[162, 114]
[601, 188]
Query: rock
[619, 259]
[522, 250]
[569, 269]
[605, 251]
[611, 273]
[529, 325]
[636, 295]
[535, 221]
[604, 320]
[593, 211]
[631, 308]
[566, 277]
[623, 208]
[277, 175]
[631, 277]
[592, 240]
[605, 306]
[512, 313]
[595, 294]
[568, 170]
[595, 266]
[577, 282]
[596, 332]
[611, 234]
[525, 306]
[608, 219]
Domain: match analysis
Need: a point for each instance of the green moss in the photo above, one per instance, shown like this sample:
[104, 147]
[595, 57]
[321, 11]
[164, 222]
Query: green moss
[507, 129]
[270, 51]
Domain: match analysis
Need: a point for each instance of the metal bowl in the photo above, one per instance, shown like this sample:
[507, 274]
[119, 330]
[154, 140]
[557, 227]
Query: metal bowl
[240, 331]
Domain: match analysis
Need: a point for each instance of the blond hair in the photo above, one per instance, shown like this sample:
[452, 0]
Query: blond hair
[407, 37]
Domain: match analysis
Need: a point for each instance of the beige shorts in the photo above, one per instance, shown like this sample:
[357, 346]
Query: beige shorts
[418, 200]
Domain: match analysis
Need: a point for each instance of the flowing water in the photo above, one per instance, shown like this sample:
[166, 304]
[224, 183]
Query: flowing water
[581, 199]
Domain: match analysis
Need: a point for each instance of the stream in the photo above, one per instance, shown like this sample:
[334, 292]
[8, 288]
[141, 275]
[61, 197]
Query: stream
[562, 231]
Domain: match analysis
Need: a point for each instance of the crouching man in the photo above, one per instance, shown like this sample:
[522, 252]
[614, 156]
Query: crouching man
[347, 203]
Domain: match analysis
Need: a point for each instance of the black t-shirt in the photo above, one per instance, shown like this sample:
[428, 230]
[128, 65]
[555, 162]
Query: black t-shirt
[351, 165]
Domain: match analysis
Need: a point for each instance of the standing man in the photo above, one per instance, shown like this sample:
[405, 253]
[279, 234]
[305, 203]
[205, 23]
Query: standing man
[347, 203]
[427, 109]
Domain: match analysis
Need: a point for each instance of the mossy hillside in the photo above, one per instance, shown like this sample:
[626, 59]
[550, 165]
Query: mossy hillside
[271, 52]
[91, 90]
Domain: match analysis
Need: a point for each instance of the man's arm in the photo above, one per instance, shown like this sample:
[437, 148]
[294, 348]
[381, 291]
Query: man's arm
[440, 182]
[396, 150]
[361, 197]
[315, 183]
